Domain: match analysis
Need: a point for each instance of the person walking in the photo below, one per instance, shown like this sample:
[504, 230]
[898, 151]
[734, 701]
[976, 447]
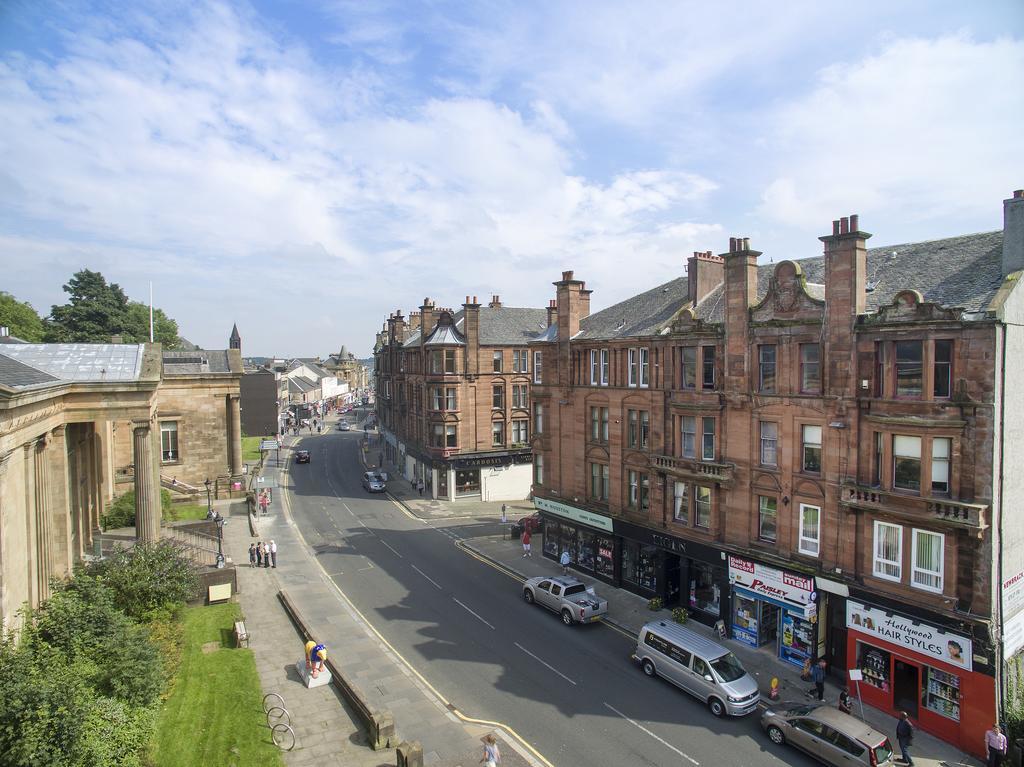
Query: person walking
[905, 737]
[273, 554]
[266, 554]
[564, 561]
[252, 555]
[996, 744]
[491, 755]
[259, 553]
[818, 677]
[504, 517]
[526, 543]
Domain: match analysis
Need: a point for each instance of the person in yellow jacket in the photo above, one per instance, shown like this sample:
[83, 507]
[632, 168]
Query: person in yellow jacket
[316, 654]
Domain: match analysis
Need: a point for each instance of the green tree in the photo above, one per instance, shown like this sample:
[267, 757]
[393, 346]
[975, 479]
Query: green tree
[21, 318]
[147, 577]
[95, 311]
[136, 329]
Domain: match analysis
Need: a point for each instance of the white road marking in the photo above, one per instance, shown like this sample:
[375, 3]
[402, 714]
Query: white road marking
[427, 577]
[567, 679]
[392, 548]
[662, 741]
[474, 614]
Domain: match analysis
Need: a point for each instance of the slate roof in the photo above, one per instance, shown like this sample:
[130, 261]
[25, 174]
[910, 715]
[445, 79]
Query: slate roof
[445, 335]
[964, 272]
[193, 361]
[300, 384]
[510, 325]
[17, 375]
[81, 362]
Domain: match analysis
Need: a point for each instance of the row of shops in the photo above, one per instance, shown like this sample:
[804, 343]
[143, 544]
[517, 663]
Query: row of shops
[901, 658]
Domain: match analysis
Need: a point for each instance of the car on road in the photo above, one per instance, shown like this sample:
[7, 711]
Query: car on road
[532, 522]
[301, 456]
[344, 426]
[829, 735]
[373, 482]
[570, 597]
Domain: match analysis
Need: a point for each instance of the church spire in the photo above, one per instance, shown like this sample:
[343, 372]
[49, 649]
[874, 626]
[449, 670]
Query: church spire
[235, 342]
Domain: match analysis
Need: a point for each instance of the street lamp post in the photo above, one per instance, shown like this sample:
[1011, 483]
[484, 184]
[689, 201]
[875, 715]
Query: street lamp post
[220, 525]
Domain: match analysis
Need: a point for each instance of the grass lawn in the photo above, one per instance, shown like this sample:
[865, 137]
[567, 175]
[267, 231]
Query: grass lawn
[214, 715]
[251, 448]
[181, 512]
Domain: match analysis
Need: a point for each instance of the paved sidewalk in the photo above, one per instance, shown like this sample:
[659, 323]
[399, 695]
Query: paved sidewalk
[328, 733]
[629, 612]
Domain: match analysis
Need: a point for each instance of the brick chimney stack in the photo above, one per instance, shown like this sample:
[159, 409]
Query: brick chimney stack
[572, 304]
[1013, 233]
[414, 321]
[401, 328]
[740, 294]
[471, 329]
[428, 319]
[705, 272]
[552, 312]
[495, 302]
[845, 299]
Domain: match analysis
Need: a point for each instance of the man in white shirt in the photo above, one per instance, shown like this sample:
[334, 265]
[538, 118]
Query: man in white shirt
[273, 553]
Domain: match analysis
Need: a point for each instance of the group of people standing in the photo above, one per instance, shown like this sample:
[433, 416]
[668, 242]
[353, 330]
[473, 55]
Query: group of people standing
[263, 554]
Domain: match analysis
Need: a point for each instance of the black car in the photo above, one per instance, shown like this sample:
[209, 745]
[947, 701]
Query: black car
[301, 456]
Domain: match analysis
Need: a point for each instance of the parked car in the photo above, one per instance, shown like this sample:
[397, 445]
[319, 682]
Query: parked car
[700, 666]
[829, 735]
[532, 522]
[301, 456]
[374, 482]
[570, 597]
[344, 426]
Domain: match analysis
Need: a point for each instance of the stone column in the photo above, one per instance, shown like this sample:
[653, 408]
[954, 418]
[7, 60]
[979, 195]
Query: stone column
[147, 486]
[5, 503]
[60, 503]
[41, 493]
[235, 433]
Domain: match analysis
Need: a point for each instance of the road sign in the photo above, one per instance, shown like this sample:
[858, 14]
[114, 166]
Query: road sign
[269, 444]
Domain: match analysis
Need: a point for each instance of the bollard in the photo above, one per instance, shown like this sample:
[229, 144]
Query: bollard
[409, 754]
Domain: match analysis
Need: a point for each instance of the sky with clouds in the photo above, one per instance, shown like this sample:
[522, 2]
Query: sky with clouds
[306, 168]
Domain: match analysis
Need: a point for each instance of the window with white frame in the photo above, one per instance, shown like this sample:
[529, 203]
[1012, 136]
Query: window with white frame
[633, 482]
[633, 428]
[645, 367]
[681, 503]
[537, 359]
[520, 361]
[811, 461]
[538, 418]
[769, 443]
[888, 551]
[520, 396]
[435, 397]
[604, 367]
[497, 362]
[449, 360]
[926, 560]
[688, 367]
[519, 431]
[538, 469]
[708, 439]
[766, 367]
[497, 433]
[599, 481]
[941, 449]
[633, 362]
[498, 397]
[645, 429]
[169, 441]
[688, 436]
[451, 398]
[810, 530]
[906, 462]
[702, 506]
[595, 367]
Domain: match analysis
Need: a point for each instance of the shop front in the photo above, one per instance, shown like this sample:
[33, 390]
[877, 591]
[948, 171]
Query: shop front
[908, 665]
[773, 608]
[588, 537]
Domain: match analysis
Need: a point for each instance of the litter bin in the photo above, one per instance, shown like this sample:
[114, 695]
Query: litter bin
[515, 531]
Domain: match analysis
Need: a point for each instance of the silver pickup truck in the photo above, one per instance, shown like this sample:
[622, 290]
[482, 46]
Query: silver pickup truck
[567, 596]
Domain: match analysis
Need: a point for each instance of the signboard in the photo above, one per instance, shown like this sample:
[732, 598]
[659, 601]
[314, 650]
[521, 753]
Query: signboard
[576, 515]
[1013, 635]
[910, 633]
[777, 586]
[269, 444]
[266, 482]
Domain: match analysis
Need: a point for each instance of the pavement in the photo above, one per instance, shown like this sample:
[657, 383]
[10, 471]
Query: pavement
[327, 730]
[628, 612]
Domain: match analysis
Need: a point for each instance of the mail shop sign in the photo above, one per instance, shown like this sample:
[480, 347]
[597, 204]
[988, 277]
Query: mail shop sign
[779, 585]
[906, 632]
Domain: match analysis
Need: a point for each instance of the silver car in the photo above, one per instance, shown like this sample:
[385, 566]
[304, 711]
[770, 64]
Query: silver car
[570, 597]
[373, 482]
[829, 735]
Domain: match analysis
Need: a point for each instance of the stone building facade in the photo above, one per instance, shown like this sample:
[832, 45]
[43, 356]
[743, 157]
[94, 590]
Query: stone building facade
[82, 423]
[813, 455]
[453, 397]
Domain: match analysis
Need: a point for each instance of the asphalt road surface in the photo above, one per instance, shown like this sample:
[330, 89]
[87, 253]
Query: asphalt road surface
[573, 693]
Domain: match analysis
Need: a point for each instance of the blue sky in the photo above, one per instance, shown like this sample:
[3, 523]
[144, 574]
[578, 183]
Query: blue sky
[304, 169]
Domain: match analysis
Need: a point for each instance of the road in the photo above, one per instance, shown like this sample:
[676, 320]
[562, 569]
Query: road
[573, 693]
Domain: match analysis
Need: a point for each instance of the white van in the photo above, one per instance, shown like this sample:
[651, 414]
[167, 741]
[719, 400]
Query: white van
[702, 667]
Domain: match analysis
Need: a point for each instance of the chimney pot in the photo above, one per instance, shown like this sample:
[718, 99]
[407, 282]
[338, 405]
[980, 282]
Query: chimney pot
[732, 244]
[1018, 194]
[746, 243]
[835, 228]
[844, 225]
[566, 276]
[854, 223]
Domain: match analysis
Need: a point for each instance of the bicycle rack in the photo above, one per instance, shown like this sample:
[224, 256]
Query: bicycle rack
[279, 721]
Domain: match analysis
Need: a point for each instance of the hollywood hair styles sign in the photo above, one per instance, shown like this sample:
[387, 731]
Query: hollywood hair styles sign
[900, 630]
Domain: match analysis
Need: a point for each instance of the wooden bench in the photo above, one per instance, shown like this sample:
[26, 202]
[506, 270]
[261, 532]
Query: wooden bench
[241, 634]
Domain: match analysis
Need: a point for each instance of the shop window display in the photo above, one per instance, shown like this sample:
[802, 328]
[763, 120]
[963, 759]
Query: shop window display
[941, 693]
[874, 665]
[638, 565]
[604, 562]
[744, 620]
[585, 558]
[705, 594]
[797, 639]
[552, 534]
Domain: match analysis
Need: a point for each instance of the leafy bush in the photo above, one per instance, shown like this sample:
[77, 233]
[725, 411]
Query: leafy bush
[147, 577]
[168, 634]
[121, 511]
[680, 614]
[654, 604]
[115, 734]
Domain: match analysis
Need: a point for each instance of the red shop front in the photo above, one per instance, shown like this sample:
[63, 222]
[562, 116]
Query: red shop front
[908, 665]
